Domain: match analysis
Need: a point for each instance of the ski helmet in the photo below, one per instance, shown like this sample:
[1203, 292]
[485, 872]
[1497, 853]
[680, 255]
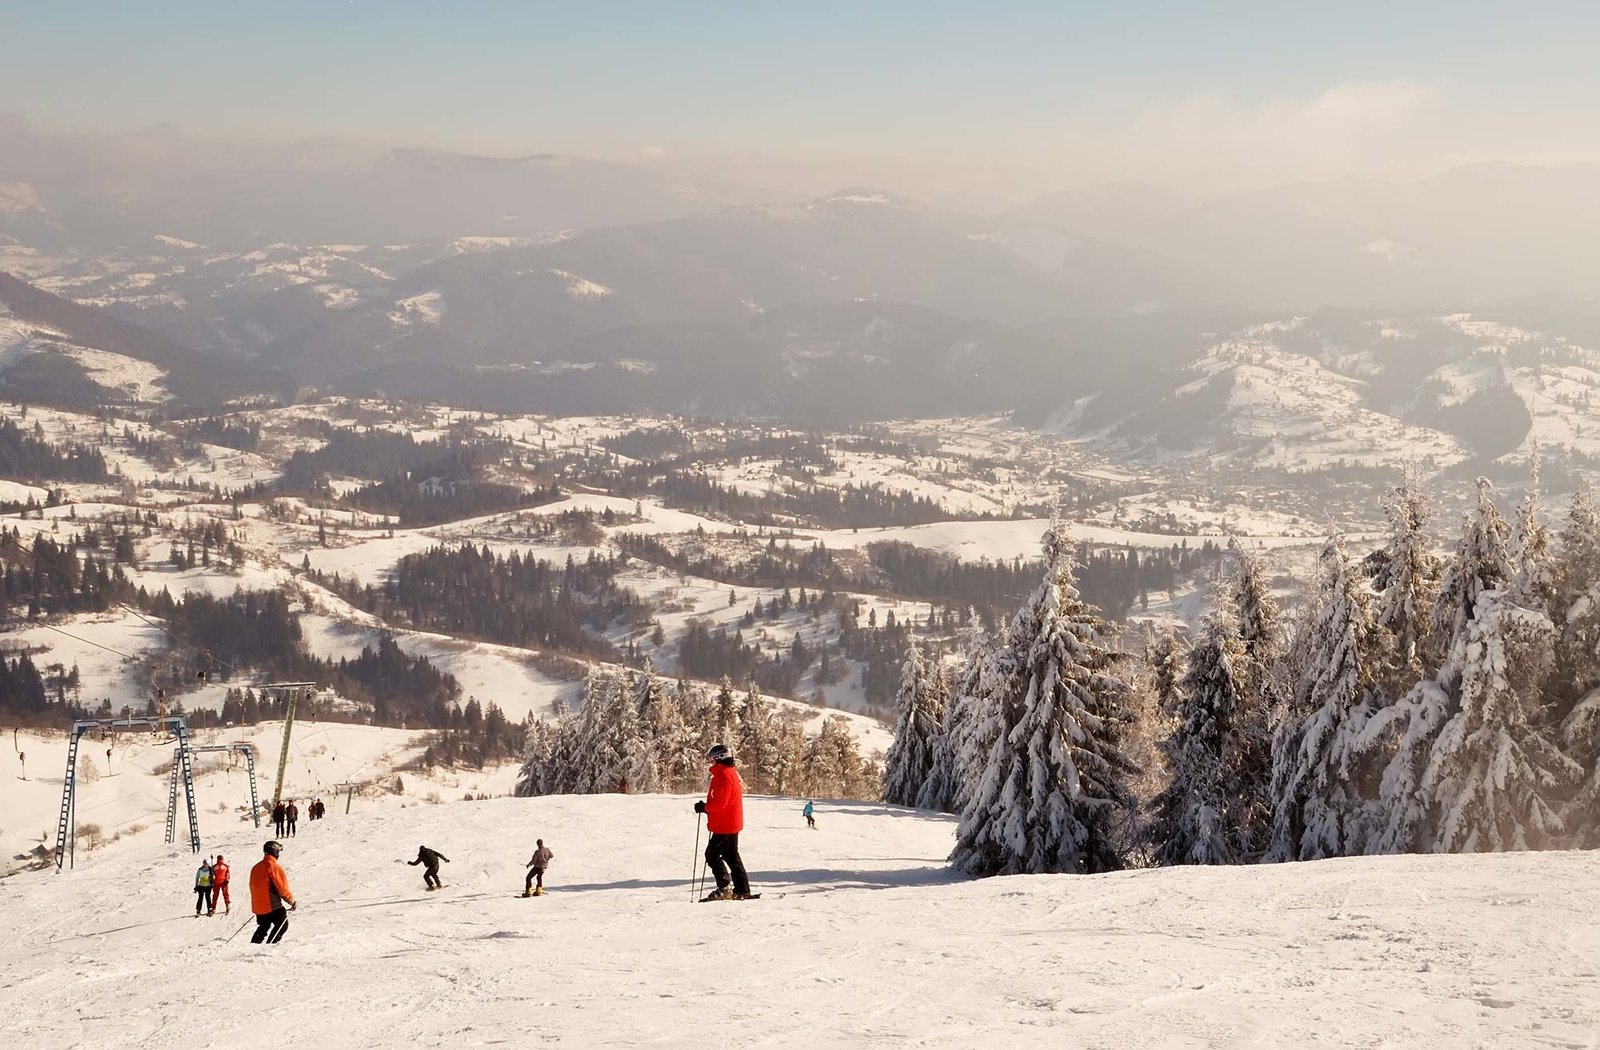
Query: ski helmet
[719, 752]
[273, 847]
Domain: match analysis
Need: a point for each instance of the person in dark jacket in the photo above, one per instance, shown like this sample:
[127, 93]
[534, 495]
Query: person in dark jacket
[430, 858]
[724, 810]
[291, 816]
[279, 812]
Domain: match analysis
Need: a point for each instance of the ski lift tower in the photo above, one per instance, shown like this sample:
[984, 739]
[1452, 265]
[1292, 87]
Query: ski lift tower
[296, 691]
[238, 747]
[67, 826]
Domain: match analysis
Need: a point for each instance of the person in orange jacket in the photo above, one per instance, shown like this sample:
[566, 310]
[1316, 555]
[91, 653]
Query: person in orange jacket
[219, 887]
[269, 892]
[724, 810]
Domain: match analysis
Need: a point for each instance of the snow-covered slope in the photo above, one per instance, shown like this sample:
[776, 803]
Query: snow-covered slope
[874, 943]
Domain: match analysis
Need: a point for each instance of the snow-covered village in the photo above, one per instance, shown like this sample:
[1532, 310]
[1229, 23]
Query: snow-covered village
[917, 525]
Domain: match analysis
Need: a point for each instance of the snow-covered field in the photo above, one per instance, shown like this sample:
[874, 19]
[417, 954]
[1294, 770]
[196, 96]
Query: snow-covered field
[873, 944]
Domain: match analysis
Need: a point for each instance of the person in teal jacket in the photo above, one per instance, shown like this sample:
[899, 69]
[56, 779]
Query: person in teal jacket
[811, 821]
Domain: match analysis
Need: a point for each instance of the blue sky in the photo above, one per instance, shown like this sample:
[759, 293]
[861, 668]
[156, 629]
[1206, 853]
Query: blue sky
[1158, 85]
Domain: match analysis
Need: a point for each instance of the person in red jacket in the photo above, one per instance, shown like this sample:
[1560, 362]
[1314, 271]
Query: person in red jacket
[269, 892]
[724, 810]
[219, 887]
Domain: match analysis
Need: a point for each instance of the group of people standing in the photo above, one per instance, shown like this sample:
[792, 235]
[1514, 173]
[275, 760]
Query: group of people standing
[286, 815]
[211, 883]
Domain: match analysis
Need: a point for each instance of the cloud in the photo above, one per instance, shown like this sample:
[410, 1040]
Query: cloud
[652, 152]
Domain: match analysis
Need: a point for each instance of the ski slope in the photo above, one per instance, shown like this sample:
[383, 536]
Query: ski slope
[875, 943]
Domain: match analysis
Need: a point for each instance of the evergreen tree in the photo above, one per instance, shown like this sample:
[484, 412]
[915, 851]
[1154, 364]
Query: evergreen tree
[1054, 791]
[1481, 563]
[1494, 777]
[1407, 585]
[1167, 669]
[910, 758]
[1317, 784]
[1213, 811]
[755, 742]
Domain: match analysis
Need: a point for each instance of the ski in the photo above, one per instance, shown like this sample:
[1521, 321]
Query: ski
[752, 897]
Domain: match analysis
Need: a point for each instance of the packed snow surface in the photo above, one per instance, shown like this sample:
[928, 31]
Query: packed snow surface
[875, 943]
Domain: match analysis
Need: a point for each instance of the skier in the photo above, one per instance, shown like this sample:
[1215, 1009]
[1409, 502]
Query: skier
[279, 813]
[430, 858]
[219, 887]
[541, 859]
[269, 891]
[291, 815]
[811, 821]
[724, 810]
[202, 887]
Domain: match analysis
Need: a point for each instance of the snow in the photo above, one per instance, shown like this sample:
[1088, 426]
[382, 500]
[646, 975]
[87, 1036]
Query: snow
[582, 287]
[875, 944]
[135, 379]
[427, 308]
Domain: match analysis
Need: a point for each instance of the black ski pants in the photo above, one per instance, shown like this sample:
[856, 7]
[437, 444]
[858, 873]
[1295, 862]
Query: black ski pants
[270, 927]
[533, 873]
[722, 853]
[430, 875]
[203, 898]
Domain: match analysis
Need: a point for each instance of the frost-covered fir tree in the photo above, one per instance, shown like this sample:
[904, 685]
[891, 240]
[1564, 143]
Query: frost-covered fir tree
[956, 761]
[725, 713]
[1404, 735]
[910, 758]
[1053, 793]
[941, 787]
[1494, 778]
[1257, 616]
[1166, 669]
[644, 771]
[1318, 803]
[755, 742]
[1482, 562]
[1407, 585]
[535, 759]
[1531, 584]
[1212, 809]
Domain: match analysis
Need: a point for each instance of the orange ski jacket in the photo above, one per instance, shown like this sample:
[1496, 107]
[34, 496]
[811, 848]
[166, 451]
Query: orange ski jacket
[725, 801]
[269, 886]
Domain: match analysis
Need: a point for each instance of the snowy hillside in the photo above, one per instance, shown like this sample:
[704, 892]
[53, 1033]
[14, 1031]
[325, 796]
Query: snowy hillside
[873, 944]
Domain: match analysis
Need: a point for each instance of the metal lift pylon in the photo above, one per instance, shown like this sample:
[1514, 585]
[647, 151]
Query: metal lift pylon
[67, 826]
[187, 752]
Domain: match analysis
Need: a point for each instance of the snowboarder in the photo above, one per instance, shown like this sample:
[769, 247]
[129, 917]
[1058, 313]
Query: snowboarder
[202, 887]
[811, 821]
[724, 810]
[219, 887]
[291, 815]
[269, 892]
[541, 859]
[279, 813]
[430, 858]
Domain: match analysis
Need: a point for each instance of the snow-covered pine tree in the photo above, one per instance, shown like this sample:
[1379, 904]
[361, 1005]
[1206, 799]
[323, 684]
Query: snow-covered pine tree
[644, 770]
[1532, 585]
[1407, 585]
[1403, 736]
[1494, 778]
[1575, 605]
[1481, 563]
[1054, 791]
[1214, 808]
[910, 758]
[535, 758]
[1257, 616]
[725, 713]
[1318, 803]
[1166, 669]
[755, 742]
[944, 790]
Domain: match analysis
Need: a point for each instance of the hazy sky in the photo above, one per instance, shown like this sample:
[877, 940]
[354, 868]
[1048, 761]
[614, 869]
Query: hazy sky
[931, 96]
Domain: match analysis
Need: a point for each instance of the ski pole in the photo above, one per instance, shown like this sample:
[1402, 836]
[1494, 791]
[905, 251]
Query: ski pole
[236, 933]
[692, 890]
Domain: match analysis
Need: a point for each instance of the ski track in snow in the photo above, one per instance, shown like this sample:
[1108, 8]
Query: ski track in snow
[876, 943]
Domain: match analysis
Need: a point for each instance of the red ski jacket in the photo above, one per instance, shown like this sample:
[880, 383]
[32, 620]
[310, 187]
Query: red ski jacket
[725, 801]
